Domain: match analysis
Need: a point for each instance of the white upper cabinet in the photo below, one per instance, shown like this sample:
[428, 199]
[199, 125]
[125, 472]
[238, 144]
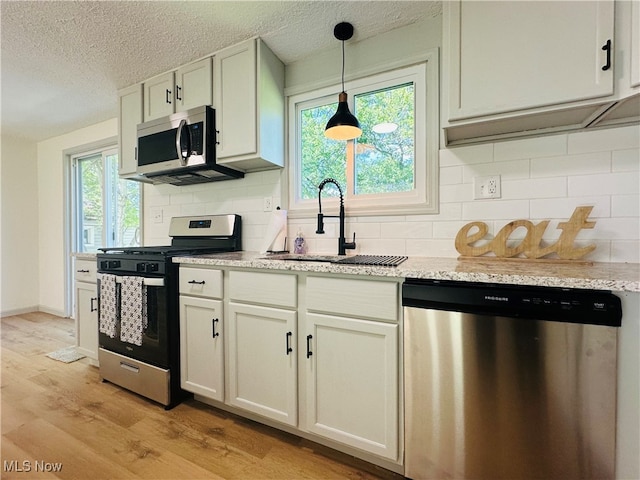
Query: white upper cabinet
[193, 86]
[516, 55]
[515, 68]
[189, 86]
[249, 102]
[130, 115]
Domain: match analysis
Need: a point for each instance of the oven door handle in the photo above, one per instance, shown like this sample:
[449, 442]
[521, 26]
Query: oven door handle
[148, 281]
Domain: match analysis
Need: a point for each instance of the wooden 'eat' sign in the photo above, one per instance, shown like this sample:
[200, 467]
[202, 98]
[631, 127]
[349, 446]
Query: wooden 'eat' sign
[531, 244]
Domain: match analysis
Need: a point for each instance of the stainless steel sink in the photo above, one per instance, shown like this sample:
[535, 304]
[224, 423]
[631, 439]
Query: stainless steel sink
[370, 260]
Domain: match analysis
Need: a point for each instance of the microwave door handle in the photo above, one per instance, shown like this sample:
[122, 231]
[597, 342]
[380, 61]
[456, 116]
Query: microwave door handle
[183, 159]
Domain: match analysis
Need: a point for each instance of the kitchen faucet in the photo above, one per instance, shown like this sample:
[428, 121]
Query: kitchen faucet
[343, 245]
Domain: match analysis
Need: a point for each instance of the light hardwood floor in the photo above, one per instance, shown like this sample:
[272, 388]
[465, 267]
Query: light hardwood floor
[57, 413]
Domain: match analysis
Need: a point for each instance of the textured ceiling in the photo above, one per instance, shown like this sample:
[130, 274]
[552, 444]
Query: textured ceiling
[62, 62]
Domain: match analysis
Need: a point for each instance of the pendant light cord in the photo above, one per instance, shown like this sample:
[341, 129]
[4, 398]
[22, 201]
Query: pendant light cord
[343, 65]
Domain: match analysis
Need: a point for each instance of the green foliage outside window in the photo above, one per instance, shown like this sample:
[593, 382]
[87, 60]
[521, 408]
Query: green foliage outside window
[384, 162]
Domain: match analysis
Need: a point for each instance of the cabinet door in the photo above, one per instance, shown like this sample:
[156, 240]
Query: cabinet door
[87, 319]
[158, 97]
[352, 382]
[130, 116]
[262, 368]
[194, 85]
[235, 100]
[516, 55]
[635, 44]
[201, 347]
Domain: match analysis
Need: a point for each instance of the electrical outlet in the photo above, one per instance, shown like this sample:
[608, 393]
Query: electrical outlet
[156, 215]
[487, 187]
[267, 204]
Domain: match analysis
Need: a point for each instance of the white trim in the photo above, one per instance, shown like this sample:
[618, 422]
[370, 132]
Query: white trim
[424, 198]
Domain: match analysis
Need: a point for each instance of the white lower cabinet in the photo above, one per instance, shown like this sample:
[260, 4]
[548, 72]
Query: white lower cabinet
[202, 331]
[201, 346]
[352, 382]
[86, 309]
[326, 364]
[262, 361]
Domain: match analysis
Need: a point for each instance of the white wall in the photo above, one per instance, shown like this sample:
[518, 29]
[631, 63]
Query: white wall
[19, 291]
[52, 202]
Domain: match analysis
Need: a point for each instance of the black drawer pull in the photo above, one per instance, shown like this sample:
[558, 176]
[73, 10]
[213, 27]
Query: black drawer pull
[607, 48]
[213, 328]
[82, 271]
[309, 352]
[289, 349]
[195, 282]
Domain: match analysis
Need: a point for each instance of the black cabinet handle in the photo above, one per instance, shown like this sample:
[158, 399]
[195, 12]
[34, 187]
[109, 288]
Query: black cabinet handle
[168, 96]
[195, 282]
[213, 328]
[82, 271]
[93, 309]
[289, 349]
[607, 48]
[309, 352]
[178, 88]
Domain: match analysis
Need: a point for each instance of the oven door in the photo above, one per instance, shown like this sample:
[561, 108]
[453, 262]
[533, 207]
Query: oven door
[156, 329]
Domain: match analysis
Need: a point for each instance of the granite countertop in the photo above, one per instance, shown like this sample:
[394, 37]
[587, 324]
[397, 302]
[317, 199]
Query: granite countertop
[596, 276]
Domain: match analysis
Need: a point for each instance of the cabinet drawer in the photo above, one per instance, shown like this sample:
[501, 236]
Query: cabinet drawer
[264, 288]
[85, 271]
[202, 282]
[353, 298]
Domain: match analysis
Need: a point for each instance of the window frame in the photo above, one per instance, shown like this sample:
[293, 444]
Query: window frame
[76, 225]
[423, 199]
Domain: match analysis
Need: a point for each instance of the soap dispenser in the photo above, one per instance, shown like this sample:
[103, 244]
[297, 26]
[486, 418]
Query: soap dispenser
[299, 245]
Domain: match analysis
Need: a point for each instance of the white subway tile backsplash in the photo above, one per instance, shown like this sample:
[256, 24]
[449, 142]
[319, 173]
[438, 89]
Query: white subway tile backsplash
[507, 170]
[543, 178]
[625, 206]
[563, 208]
[547, 146]
[597, 162]
[496, 210]
[620, 138]
[535, 188]
[626, 160]
[610, 184]
[466, 155]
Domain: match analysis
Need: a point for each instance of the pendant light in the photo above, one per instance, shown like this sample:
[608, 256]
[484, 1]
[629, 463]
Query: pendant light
[343, 125]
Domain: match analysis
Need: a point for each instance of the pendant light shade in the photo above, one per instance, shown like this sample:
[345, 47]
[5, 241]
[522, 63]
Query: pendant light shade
[343, 125]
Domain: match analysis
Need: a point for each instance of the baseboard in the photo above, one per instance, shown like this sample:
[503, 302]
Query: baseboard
[34, 308]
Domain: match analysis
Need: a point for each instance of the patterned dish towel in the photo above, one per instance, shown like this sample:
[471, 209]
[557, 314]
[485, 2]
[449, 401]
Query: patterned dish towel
[133, 314]
[108, 311]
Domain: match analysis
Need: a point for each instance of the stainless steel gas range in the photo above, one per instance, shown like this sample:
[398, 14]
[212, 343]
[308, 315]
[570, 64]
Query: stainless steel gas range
[138, 316]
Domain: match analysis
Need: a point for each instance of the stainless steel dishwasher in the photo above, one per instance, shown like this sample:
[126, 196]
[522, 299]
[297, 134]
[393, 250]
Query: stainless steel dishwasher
[509, 382]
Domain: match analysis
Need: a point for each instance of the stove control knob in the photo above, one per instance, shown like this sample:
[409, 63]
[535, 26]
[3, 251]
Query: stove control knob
[141, 267]
[114, 264]
[104, 264]
[152, 267]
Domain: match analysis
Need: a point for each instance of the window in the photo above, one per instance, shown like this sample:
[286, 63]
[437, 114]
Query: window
[391, 168]
[107, 208]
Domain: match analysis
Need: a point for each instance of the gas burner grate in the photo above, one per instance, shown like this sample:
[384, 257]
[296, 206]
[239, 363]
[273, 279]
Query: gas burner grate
[373, 260]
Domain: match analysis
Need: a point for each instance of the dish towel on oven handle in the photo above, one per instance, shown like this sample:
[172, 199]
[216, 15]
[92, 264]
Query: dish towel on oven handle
[108, 309]
[133, 311]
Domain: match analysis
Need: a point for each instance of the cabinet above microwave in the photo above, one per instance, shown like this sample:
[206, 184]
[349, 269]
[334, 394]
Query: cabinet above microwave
[515, 69]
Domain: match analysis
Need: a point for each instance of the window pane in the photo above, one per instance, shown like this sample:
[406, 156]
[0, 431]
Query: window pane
[320, 157]
[125, 206]
[90, 192]
[384, 160]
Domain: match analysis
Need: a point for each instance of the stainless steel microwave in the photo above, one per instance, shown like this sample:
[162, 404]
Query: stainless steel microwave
[181, 149]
